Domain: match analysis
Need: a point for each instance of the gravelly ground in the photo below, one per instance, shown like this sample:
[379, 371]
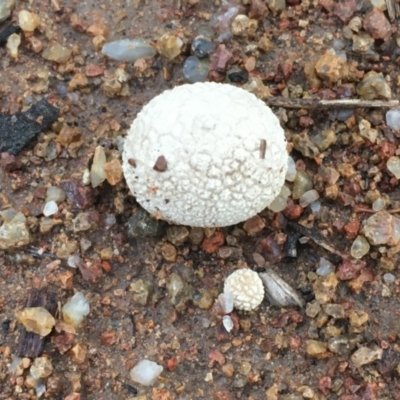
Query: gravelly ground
[271, 353]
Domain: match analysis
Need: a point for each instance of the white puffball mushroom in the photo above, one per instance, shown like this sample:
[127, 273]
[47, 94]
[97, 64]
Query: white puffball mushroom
[205, 155]
[247, 289]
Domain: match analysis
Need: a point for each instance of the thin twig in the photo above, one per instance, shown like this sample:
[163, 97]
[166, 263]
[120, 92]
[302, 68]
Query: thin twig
[318, 239]
[360, 209]
[316, 103]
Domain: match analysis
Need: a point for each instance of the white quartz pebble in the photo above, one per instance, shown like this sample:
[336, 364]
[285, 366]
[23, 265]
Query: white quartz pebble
[50, 208]
[129, 50]
[75, 309]
[227, 322]
[393, 119]
[146, 372]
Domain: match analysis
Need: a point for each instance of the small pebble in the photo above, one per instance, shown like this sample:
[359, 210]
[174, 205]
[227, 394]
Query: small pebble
[202, 47]
[141, 291]
[97, 173]
[113, 171]
[280, 202]
[315, 206]
[37, 320]
[363, 43]
[169, 46]
[325, 267]
[382, 228]
[75, 309]
[330, 68]
[129, 50]
[324, 139]
[73, 261]
[244, 26]
[291, 171]
[380, 4]
[28, 21]
[227, 322]
[40, 388]
[238, 76]
[141, 225]
[366, 131]
[50, 208]
[315, 348]
[389, 278]
[6, 8]
[16, 365]
[393, 119]
[41, 368]
[377, 25]
[393, 165]
[177, 235]
[195, 70]
[225, 300]
[374, 86]
[110, 220]
[308, 197]
[13, 43]
[302, 184]
[222, 22]
[57, 53]
[13, 232]
[276, 5]
[365, 355]
[379, 204]
[56, 194]
[146, 372]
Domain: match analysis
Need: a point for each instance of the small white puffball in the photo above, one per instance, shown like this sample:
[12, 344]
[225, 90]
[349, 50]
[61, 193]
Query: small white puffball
[75, 309]
[205, 155]
[246, 287]
[146, 372]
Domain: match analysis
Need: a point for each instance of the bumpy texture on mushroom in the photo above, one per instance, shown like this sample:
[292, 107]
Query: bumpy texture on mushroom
[247, 289]
[205, 155]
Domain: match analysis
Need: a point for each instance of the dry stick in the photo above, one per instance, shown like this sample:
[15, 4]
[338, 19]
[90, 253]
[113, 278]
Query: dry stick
[316, 103]
[318, 239]
[359, 209]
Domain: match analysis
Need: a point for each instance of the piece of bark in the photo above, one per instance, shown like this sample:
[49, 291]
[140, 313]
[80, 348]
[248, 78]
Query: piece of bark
[17, 130]
[7, 32]
[31, 344]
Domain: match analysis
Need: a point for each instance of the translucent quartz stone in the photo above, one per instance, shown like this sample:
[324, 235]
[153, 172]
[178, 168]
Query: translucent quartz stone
[129, 50]
[393, 119]
[291, 171]
[75, 309]
[56, 194]
[360, 247]
[308, 197]
[279, 203]
[50, 208]
[302, 183]
[325, 267]
[379, 204]
[227, 322]
[195, 70]
[146, 372]
[393, 165]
